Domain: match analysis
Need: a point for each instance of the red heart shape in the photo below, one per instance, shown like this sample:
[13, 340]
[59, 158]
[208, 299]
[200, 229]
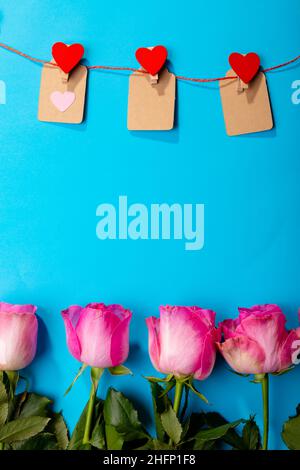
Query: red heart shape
[67, 57]
[245, 66]
[152, 60]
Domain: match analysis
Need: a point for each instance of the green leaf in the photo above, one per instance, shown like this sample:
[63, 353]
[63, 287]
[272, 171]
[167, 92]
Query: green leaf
[194, 390]
[113, 439]
[158, 445]
[120, 413]
[120, 370]
[147, 446]
[58, 428]
[161, 403]
[98, 435]
[10, 397]
[185, 428]
[216, 433]
[43, 441]
[196, 422]
[251, 435]
[35, 405]
[79, 373]
[206, 429]
[171, 425]
[16, 405]
[232, 438]
[291, 433]
[10, 381]
[22, 428]
[204, 445]
[85, 447]
[77, 435]
[3, 404]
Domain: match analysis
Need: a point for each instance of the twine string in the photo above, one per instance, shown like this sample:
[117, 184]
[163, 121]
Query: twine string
[132, 69]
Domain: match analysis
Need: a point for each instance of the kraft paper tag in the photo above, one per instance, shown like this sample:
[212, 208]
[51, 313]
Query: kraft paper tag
[151, 107]
[249, 110]
[62, 101]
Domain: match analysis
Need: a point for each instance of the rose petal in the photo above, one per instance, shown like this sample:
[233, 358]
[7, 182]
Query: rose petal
[154, 346]
[268, 330]
[18, 339]
[12, 308]
[228, 328]
[243, 355]
[71, 318]
[94, 332]
[182, 334]
[208, 357]
[259, 309]
[120, 340]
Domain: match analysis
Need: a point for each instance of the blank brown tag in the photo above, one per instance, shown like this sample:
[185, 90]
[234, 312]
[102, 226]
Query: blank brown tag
[62, 102]
[151, 107]
[246, 111]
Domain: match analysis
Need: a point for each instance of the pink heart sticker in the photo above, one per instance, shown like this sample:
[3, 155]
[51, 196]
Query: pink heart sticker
[62, 101]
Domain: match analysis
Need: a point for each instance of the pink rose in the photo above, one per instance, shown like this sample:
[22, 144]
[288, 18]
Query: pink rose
[182, 341]
[257, 342]
[18, 335]
[98, 335]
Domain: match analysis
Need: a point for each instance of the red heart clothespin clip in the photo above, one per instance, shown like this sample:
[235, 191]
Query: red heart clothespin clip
[67, 57]
[245, 66]
[152, 59]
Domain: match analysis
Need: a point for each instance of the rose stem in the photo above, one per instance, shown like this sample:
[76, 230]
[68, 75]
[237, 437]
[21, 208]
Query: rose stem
[265, 395]
[95, 375]
[178, 396]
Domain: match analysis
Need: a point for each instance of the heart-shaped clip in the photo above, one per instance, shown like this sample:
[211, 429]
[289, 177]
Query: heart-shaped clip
[245, 66]
[67, 57]
[152, 59]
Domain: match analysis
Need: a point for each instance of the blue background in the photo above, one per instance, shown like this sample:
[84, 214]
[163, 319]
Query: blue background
[52, 177]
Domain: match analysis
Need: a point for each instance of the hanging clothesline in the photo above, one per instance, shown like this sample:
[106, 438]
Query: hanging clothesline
[132, 69]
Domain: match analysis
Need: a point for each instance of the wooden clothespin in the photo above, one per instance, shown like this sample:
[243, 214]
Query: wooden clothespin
[153, 78]
[242, 86]
[64, 76]
[152, 59]
[246, 66]
[67, 57]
